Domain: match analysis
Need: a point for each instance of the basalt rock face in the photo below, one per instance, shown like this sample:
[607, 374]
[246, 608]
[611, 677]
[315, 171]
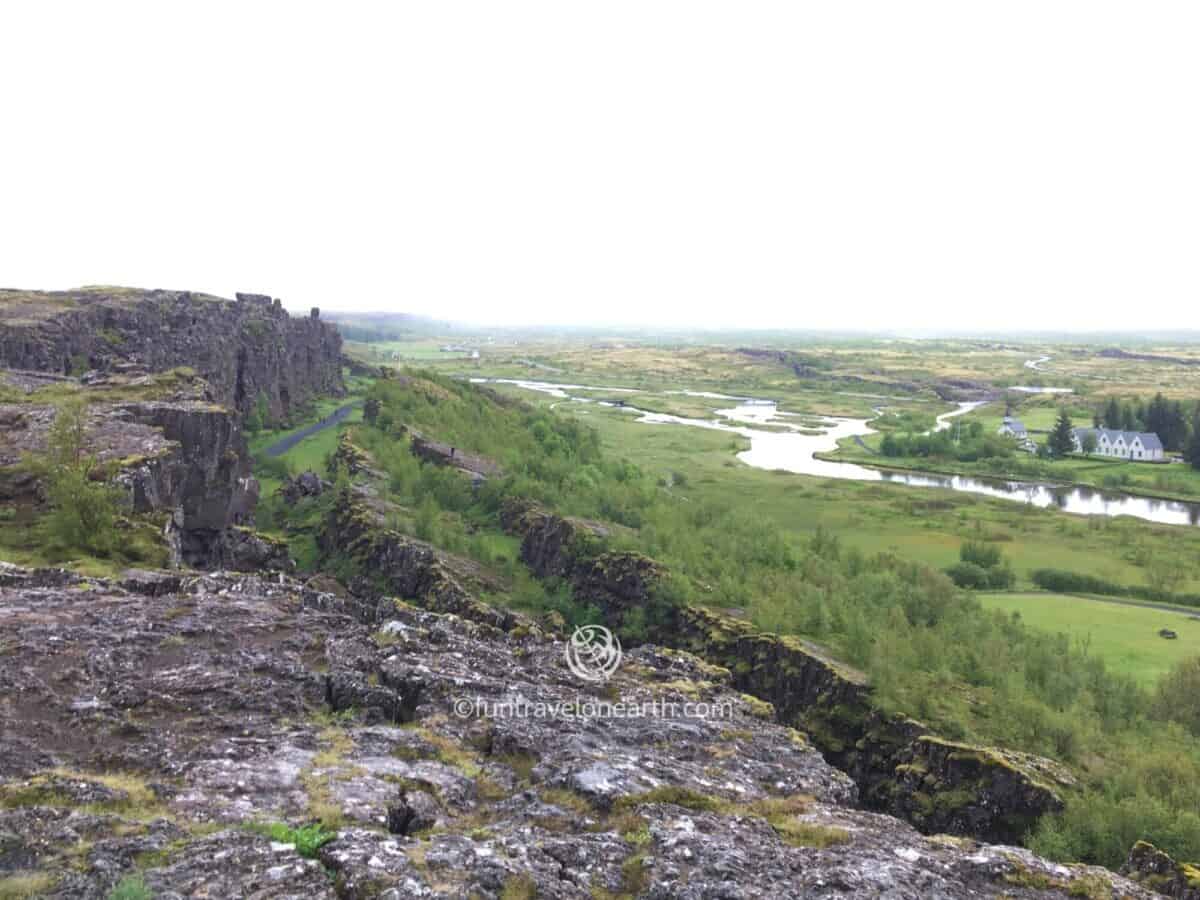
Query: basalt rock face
[245, 348]
[173, 452]
[900, 766]
[558, 547]
[144, 725]
[389, 563]
[1154, 869]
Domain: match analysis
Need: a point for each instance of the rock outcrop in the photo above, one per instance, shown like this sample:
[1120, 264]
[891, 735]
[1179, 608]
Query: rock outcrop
[167, 444]
[177, 735]
[385, 562]
[245, 348]
[899, 764]
[1154, 869]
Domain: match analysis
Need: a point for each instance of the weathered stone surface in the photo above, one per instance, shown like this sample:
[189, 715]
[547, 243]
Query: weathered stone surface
[242, 549]
[306, 484]
[246, 348]
[1154, 869]
[470, 464]
[205, 708]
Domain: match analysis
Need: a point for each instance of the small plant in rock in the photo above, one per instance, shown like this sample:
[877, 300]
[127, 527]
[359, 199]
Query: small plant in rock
[131, 887]
[307, 839]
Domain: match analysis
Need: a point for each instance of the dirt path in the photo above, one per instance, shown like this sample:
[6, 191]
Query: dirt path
[287, 443]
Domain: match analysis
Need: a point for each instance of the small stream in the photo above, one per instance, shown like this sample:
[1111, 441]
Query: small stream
[793, 450]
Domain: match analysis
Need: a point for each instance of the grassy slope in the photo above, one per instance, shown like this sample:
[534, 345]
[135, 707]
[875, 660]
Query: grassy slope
[1126, 636]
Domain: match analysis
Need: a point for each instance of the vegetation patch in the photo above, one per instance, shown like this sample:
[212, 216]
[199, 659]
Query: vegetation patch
[307, 839]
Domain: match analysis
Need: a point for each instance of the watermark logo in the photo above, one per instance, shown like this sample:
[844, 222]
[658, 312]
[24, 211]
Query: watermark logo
[593, 653]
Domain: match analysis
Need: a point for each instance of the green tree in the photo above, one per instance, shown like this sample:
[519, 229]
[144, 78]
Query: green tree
[1177, 698]
[260, 416]
[1112, 413]
[1192, 452]
[1060, 442]
[83, 508]
[1088, 443]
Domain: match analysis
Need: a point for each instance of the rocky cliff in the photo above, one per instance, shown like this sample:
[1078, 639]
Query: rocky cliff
[167, 444]
[899, 764]
[236, 736]
[245, 348]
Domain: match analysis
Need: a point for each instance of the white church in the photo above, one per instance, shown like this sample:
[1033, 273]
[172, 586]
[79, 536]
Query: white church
[1135, 445]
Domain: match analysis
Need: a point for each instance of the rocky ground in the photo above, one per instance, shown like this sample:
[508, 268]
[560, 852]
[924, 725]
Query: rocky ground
[177, 732]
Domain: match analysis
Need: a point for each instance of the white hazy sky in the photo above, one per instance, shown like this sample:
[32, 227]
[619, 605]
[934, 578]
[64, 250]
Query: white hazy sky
[834, 164]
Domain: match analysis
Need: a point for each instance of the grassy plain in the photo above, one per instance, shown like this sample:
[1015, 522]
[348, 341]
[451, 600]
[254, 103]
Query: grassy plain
[922, 524]
[1125, 635]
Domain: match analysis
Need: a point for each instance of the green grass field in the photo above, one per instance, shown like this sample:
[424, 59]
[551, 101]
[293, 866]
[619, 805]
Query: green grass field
[1125, 636]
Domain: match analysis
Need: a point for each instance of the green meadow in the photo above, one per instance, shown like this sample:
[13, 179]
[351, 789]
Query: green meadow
[1125, 635]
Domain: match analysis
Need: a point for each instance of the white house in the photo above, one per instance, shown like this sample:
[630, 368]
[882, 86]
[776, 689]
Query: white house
[1015, 428]
[1135, 445]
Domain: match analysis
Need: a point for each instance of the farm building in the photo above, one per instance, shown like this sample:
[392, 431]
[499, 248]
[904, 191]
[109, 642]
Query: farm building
[1135, 445]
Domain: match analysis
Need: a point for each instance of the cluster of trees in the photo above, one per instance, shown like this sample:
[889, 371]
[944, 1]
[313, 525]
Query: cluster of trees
[981, 566]
[1160, 416]
[260, 416]
[930, 648]
[968, 443]
[1169, 419]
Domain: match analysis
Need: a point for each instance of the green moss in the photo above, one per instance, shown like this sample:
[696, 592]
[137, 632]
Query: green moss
[672, 794]
[760, 709]
[23, 886]
[519, 887]
[131, 887]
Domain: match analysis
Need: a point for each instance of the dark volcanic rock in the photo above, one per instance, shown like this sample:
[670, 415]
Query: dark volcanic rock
[163, 722]
[242, 549]
[1156, 870]
[306, 484]
[245, 348]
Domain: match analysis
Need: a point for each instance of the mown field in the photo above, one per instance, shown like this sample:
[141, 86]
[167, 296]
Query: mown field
[1124, 635]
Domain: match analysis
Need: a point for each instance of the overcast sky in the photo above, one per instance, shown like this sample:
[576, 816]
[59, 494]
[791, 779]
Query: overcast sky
[832, 164]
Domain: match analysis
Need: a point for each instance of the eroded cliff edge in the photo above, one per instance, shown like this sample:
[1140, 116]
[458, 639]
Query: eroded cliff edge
[247, 348]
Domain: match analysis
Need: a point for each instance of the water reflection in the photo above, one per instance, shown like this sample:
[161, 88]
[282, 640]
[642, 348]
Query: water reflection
[789, 448]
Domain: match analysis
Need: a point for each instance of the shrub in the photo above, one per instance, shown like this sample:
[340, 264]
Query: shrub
[1065, 582]
[307, 839]
[982, 566]
[1177, 698]
[83, 510]
[968, 575]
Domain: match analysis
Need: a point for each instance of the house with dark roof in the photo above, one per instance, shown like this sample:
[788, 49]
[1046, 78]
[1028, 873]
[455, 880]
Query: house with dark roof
[1140, 446]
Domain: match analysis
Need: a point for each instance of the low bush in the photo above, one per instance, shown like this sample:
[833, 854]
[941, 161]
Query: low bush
[1065, 582]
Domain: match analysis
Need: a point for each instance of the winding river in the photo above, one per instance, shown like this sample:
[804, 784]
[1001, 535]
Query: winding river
[793, 448]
